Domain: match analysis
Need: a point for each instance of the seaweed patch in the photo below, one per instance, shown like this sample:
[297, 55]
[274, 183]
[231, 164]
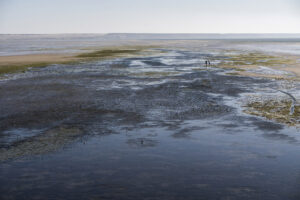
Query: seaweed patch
[279, 111]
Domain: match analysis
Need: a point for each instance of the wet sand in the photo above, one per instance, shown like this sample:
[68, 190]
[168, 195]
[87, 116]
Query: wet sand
[36, 58]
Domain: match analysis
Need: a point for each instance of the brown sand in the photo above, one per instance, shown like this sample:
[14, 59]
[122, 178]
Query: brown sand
[36, 58]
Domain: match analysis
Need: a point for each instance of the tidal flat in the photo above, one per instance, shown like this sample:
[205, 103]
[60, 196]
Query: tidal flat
[150, 120]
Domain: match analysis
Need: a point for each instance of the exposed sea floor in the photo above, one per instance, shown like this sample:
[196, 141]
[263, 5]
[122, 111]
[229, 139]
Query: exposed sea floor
[158, 127]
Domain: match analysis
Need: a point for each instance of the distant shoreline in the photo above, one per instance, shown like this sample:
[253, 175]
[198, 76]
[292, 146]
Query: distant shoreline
[168, 36]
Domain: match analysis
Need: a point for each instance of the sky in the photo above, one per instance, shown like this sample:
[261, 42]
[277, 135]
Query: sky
[149, 16]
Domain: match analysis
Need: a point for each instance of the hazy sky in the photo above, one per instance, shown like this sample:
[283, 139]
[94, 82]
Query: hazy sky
[151, 16]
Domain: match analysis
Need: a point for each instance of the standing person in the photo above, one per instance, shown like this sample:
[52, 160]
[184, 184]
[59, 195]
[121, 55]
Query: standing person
[206, 62]
[209, 62]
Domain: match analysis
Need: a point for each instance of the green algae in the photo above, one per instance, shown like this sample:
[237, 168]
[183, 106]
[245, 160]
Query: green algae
[19, 68]
[155, 74]
[257, 58]
[10, 69]
[114, 52]
[49, 141]
[278, 111]
[233, 74]
[240, 70]
[108, 53]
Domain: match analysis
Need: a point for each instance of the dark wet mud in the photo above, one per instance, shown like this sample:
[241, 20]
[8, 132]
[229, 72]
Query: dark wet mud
[158, 127]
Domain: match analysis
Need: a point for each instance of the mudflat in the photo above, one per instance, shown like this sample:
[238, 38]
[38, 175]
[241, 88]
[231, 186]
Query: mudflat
[155, 122]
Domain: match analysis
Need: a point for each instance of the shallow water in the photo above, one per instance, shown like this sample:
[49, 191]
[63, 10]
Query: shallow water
[157, 127]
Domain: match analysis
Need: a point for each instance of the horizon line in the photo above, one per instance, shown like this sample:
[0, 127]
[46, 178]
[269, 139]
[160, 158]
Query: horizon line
[147, 33]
